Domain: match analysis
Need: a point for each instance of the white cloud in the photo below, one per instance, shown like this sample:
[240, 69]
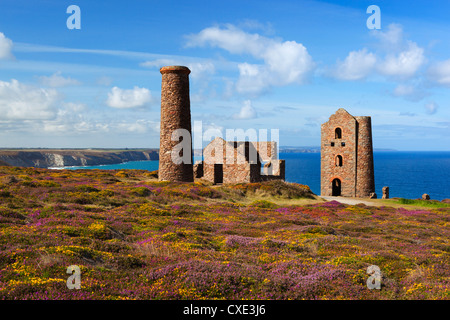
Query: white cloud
[357, 65]
[397, 58]
[23, 102]
[69, 121]
[289, 61]
[158, 63]
[57, 80]
[253, 79]
[392, 37]
[139, 126]
[440, 72]
[405, 63]
[403, 57]
[129, 98]
[5, 47]
[199, 69]
[284, 63]
[431, 108]
[247, 112]
[231, 39]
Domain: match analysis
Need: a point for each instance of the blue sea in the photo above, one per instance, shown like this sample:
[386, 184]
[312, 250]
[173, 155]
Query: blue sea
[407, 174]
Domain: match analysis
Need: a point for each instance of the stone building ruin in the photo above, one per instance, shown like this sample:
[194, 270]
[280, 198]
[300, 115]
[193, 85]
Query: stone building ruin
[347, 156]
[237, 162]
[240, 162]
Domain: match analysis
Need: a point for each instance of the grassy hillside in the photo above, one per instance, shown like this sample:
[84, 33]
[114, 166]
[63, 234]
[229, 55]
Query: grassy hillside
[136, 238]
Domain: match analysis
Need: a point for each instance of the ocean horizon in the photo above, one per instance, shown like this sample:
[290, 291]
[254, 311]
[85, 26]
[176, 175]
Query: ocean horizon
[408, 174]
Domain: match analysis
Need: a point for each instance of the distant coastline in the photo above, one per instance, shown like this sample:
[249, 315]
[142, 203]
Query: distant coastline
[75, 157]
[58, 158]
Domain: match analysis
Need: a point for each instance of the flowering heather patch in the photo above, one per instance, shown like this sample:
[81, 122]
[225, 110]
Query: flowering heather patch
[136, 238]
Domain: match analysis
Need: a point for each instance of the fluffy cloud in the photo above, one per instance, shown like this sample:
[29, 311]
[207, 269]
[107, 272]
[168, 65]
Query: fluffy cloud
[199, 69]
[393, 36]
[247, 111]
[283, 63]
[289, 61]
[357, 65]
[128, 98]
[23, 102]
[5, 47]
[404, 64]
[439, 72]
[231, 39]
[253, 79]
[32, 109]
[398, 58]
[57, 80]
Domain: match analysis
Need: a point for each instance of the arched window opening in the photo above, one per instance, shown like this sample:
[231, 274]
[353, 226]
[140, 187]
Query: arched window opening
[338, 161]
[338, 133]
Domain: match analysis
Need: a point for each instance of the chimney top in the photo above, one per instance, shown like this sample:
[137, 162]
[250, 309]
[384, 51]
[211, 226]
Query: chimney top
[175, 69]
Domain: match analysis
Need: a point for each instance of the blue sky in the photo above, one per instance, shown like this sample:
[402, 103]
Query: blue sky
[284, 65]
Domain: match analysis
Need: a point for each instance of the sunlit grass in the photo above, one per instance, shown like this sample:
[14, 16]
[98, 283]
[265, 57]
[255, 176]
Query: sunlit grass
[424, 203]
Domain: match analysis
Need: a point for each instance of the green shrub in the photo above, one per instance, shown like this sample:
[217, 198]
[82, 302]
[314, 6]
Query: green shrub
[141, 191]
[263, 204]
[424, 203]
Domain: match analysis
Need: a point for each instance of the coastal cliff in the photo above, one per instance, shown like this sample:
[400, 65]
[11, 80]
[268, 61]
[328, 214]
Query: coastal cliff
[54, 158]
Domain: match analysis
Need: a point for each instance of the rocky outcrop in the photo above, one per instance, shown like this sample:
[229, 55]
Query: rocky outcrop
[385, 191]
[425, 196]
[49, 158]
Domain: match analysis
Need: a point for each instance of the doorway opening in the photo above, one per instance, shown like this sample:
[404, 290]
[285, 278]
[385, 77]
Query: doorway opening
[336, 187]
[218, 173]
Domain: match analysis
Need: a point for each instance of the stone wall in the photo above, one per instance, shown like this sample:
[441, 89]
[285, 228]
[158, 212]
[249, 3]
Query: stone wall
[332, 147]
[347, 156]
[232, 162]
[175, 114]
[365, 182]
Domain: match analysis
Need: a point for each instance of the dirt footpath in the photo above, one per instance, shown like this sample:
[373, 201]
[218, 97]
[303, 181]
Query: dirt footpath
[352, 201]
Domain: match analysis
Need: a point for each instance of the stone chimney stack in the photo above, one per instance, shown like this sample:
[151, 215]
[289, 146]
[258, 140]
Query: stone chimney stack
[175, 114]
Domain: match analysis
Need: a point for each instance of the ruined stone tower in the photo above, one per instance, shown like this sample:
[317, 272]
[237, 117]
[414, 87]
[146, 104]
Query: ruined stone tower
[175, 114]
[347, 156]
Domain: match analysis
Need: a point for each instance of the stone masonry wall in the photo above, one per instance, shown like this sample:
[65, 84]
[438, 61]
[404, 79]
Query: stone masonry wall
[175, 114]
[329, 170]
[233, 159]
[365, 184]
[354, 147]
